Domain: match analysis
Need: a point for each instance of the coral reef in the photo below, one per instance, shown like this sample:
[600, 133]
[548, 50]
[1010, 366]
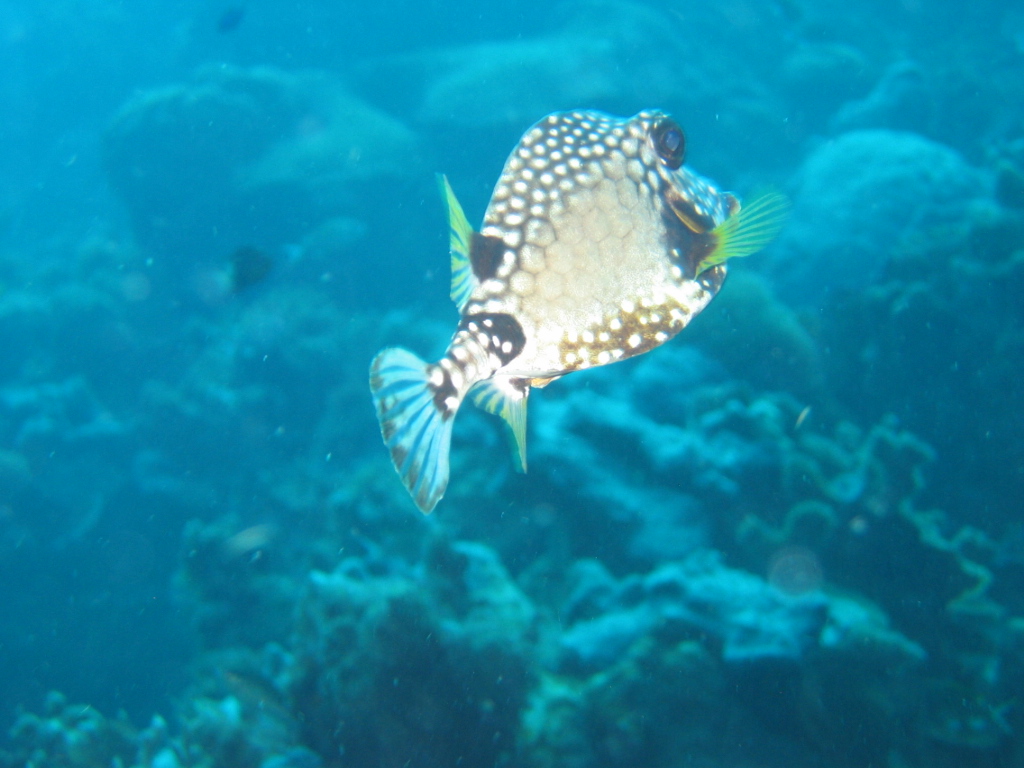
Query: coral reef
[249, 156]
[861, 200]
[789, 537]
[742, 614]
[899, 101]
[588, 53]
[60, 501]
[430, 668]
[77, 736]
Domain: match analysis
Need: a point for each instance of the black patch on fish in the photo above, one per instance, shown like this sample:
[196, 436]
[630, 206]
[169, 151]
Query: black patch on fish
[442, 391]
[497, 328]
[522, 386]
[686, 247]
[485, 254]
[711, 279]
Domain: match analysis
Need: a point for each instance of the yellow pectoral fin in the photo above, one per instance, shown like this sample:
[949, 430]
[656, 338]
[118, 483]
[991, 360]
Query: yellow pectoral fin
[748, 230]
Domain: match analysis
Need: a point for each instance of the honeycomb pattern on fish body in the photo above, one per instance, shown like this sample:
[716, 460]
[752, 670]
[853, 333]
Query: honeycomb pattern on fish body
[582, 210]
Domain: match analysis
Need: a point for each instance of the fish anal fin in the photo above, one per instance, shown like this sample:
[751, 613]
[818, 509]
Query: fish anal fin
[460, 240]
[506, 397]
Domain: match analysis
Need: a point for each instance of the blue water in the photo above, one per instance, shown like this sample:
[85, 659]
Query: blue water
[791, 536]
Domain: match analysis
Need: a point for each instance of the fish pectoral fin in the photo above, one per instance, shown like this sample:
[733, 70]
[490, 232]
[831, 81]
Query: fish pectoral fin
[748, 230]
[416, 419]
[506, 397]
[460, 242]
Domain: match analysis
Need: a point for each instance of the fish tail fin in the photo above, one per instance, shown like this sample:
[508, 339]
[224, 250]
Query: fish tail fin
[748, 230]
[416, 406]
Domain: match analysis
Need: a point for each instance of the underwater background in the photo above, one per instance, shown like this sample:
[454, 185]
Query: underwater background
[793, 536]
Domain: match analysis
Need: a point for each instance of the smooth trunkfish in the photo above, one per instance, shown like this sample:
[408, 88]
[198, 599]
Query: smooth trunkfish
[597, 245]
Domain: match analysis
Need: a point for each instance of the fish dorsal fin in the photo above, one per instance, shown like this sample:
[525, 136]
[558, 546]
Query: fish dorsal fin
[460, 239]
[506, 397]
[748, 230]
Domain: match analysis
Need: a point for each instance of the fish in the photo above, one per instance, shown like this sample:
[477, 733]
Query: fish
[598, 244]
[249, 266]
[230, 18]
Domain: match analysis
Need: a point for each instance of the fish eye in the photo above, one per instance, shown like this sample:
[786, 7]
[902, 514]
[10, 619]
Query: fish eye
[669, 142]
